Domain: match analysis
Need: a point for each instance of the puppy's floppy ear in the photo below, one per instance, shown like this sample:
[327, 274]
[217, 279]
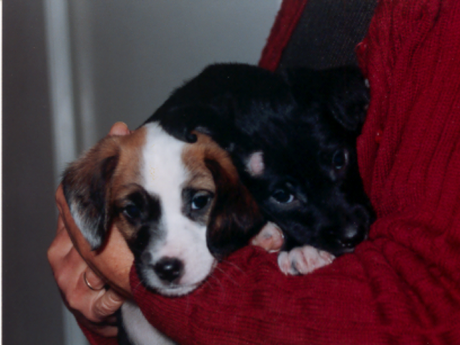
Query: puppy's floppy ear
[341, 91]
[86, 189]
[349, 97]
[235, 217]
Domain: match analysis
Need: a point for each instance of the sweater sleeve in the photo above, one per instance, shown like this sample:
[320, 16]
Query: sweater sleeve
[95, 339]
[400, 286]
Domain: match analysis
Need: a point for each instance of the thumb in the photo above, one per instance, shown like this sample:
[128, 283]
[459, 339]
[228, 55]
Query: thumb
[107, 304]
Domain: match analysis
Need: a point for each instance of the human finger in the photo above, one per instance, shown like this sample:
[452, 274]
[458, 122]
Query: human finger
[119, 128]
[92, 280]
[107, 304]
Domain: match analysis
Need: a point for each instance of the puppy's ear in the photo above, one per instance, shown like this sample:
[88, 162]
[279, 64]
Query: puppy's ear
[341, 91]
[349, 97]
[235, 217]
[86, 189]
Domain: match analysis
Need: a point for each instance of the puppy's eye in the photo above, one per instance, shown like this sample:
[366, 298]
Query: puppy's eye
[283, 196]
[132, 212]
[340, 159]
[200, 200]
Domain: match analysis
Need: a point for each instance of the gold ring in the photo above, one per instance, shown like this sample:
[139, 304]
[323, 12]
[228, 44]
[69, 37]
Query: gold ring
[88, 284]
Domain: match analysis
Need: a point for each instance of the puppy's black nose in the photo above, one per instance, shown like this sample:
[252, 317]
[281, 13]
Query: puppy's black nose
[351, 237]
[169, 269]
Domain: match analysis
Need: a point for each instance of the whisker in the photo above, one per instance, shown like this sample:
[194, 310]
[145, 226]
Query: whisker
[234, 265]
[207, 281]
[138, 284]
[227, 275]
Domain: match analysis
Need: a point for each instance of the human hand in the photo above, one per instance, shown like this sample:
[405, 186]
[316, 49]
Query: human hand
[70, 255]
[93, 308]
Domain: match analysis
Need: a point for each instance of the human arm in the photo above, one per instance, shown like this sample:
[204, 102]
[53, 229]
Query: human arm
[92, 308]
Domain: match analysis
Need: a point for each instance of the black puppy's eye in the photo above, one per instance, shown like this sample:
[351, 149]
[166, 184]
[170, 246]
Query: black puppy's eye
[283, 196]
[340, 159]
[200, 200]
[132, 212]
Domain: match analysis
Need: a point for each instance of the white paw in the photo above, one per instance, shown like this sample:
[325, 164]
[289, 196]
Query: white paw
[269, 238]
[303, 260]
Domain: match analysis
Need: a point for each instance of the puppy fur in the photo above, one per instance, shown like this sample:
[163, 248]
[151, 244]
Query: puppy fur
[292, 137]
[177, 205]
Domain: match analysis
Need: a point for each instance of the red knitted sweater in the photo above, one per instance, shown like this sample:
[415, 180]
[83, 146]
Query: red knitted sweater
[402, 286]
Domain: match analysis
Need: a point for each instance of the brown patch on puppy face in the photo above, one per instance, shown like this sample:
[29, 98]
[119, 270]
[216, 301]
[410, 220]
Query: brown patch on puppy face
[130, 158]
[234, 217]
[195, 156]
[127, 180]
[198, 192]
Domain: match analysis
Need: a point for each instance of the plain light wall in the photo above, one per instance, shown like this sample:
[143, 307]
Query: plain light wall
[125, 58]
[129, 55]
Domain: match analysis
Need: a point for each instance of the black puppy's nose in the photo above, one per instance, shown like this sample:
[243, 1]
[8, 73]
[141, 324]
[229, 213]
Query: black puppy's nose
[351, 237]
[169, 269]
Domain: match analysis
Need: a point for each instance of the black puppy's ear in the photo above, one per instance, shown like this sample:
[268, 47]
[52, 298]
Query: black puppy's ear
[341, 91]
[85, 185]
[349, 97]
[235, 217]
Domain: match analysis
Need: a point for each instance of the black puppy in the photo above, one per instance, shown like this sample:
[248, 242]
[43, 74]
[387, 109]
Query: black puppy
[292, 137]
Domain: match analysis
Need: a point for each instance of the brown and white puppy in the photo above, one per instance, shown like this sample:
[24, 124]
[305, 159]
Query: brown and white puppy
[180, 206]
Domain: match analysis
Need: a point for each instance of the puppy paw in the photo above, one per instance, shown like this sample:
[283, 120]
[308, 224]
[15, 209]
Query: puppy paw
[303, 260]
[269, 238]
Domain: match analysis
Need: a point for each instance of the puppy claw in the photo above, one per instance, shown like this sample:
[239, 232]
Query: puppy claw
[269, 238]
[303, 260]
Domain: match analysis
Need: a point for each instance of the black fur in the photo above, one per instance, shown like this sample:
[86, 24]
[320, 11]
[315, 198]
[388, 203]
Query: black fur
[305, 123]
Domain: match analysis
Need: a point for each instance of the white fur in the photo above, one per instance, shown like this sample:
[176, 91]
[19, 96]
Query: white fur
[165, 176]
[138, 329]
[255, 164]
[85, 224]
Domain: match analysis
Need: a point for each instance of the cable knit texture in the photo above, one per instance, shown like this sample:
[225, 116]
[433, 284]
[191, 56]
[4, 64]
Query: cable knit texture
[402, 285]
